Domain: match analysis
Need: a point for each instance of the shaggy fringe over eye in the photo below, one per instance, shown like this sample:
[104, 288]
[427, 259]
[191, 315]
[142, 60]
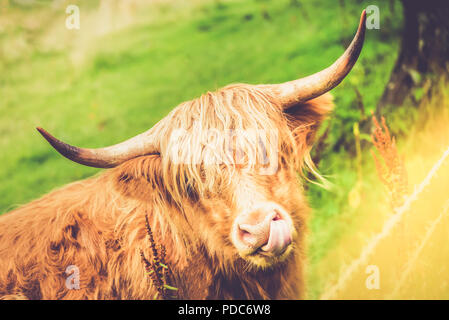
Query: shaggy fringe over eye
[222, 132]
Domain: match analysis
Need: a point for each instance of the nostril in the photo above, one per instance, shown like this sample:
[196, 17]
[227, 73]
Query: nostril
[244, 228]
[243, 231]
[251, 228]
[277, 216]
[247, 236]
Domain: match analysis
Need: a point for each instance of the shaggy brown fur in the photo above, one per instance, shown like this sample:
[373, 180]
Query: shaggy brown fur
[98, 224]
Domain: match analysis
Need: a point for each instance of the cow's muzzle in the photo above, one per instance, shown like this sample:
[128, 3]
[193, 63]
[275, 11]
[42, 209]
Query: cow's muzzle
[267, 230]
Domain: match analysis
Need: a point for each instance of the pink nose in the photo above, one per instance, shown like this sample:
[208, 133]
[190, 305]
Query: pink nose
[268, 231]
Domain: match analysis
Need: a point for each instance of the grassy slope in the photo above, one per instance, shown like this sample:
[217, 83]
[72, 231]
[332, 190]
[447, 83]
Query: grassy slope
[129, 79]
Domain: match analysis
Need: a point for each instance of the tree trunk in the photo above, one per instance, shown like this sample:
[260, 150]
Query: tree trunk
[424, 52]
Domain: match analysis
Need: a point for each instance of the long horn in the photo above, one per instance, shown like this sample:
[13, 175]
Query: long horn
[301, 90]
[108, 157]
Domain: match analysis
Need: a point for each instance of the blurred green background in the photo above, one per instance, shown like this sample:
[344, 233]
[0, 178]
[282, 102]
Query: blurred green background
[131, 62]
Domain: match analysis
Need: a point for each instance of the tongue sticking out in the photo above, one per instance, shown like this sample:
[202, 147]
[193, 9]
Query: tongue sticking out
[280, 237]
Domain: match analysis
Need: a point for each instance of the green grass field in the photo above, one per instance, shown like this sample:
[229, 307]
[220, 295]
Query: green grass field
[109, 81]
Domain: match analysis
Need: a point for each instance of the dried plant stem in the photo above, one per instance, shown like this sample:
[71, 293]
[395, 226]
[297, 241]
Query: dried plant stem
[392, 171]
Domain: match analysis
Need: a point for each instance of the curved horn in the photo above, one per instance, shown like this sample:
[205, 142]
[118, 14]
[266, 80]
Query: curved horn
[105, 157]
[301, 90]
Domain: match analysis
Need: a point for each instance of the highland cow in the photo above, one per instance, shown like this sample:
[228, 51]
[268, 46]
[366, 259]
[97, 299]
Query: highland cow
[224, 228]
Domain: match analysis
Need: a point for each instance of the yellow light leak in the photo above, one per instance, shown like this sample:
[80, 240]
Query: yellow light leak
[386, 230]
[410, 246]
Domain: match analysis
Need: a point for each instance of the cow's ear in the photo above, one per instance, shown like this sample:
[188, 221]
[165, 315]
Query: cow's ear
[305, 118]
[139, 178]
